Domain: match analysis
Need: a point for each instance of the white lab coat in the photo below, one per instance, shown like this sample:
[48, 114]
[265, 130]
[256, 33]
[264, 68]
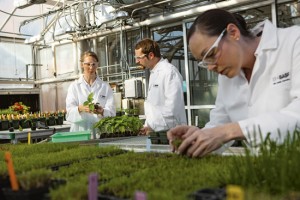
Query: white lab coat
[77, 94]
[164, 107]
[270, 101]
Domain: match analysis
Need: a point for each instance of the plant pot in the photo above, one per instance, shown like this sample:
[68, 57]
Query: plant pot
[33, 128]
[14, 123]
[59, 120]
[4, 125]
[118, 113]
[25, 123]
[51, 121]
[43, 120]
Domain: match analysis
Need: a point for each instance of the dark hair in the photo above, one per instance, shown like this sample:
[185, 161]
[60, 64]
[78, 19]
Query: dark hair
[213, 22]
[147, 45]
[89, 53]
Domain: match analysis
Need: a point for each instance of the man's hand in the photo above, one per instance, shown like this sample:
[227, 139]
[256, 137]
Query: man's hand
[145, 130]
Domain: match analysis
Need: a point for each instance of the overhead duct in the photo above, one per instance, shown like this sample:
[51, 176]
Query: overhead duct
[25, 3]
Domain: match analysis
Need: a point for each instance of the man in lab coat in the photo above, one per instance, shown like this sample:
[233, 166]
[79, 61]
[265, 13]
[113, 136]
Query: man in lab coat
[164, 106]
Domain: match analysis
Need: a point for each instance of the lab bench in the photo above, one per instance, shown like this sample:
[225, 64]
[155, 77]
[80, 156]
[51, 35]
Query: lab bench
[36, 135]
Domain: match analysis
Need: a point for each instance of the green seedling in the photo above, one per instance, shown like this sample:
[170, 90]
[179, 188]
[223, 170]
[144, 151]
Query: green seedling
[176, 143]
[89, 102]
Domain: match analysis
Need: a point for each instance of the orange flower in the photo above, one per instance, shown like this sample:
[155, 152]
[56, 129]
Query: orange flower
[19, 107]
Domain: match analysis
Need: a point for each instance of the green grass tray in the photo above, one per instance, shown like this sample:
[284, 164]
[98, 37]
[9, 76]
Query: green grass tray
[71, 136]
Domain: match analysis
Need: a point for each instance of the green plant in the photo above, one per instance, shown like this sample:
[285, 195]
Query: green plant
[31, 119]
[8, 111]
[273, 170]
[271, 174]
[176, 143]
[131, 111]
[35, 179]
[89, 102]
[119, 124]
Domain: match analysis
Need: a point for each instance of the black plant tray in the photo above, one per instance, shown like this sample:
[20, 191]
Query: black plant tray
[4, 183]
[33, 194]
[209, 194]
[159, 137]
[108, 197]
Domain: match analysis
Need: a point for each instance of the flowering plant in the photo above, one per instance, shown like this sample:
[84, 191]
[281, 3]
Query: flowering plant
[19, 107]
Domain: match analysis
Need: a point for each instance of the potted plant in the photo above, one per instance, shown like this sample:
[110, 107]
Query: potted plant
[15, 121]
[59, 118]
[119, 126]
[24, 122]
[50, 119]
[32, 120]
[42, 118]
[4, 122]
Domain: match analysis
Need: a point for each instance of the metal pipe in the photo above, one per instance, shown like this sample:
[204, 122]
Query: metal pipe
[4, 23]
[166, 18]
[148, 6]
[137, 4]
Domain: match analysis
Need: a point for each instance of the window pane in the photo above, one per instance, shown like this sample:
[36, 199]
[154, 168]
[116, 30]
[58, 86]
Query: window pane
[170, 40]
[13, 60]
[288, 14]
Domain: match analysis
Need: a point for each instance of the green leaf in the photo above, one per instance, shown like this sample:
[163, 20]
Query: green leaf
[90, 97]
[92, 107]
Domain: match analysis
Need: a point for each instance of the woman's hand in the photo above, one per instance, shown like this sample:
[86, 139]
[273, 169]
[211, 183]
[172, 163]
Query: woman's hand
[200, 142]
[98, 109]
[180, 133]
[82, 108]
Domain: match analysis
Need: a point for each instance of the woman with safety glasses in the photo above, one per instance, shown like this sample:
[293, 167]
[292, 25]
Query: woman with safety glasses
[259, 84]
[81, 117]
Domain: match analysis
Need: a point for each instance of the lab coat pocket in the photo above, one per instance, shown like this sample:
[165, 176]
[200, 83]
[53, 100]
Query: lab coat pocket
[154, 117]
[154, 95]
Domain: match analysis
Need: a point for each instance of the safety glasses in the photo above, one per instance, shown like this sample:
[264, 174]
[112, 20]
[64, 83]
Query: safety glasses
[210, 57]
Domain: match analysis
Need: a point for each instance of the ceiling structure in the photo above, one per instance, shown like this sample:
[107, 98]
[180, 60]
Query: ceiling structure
[28, 18]
[52, 20]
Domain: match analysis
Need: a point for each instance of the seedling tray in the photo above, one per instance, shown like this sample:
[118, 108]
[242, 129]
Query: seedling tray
[71, 136]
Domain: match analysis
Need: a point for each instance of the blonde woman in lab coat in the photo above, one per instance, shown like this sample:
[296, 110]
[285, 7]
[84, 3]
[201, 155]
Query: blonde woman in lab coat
[164, 105]
[81, 117]
[259, 81]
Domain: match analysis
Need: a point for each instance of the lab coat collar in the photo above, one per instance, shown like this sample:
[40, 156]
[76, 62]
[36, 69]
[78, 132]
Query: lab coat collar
[157, 66]
[269, 37]
[81, 80]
